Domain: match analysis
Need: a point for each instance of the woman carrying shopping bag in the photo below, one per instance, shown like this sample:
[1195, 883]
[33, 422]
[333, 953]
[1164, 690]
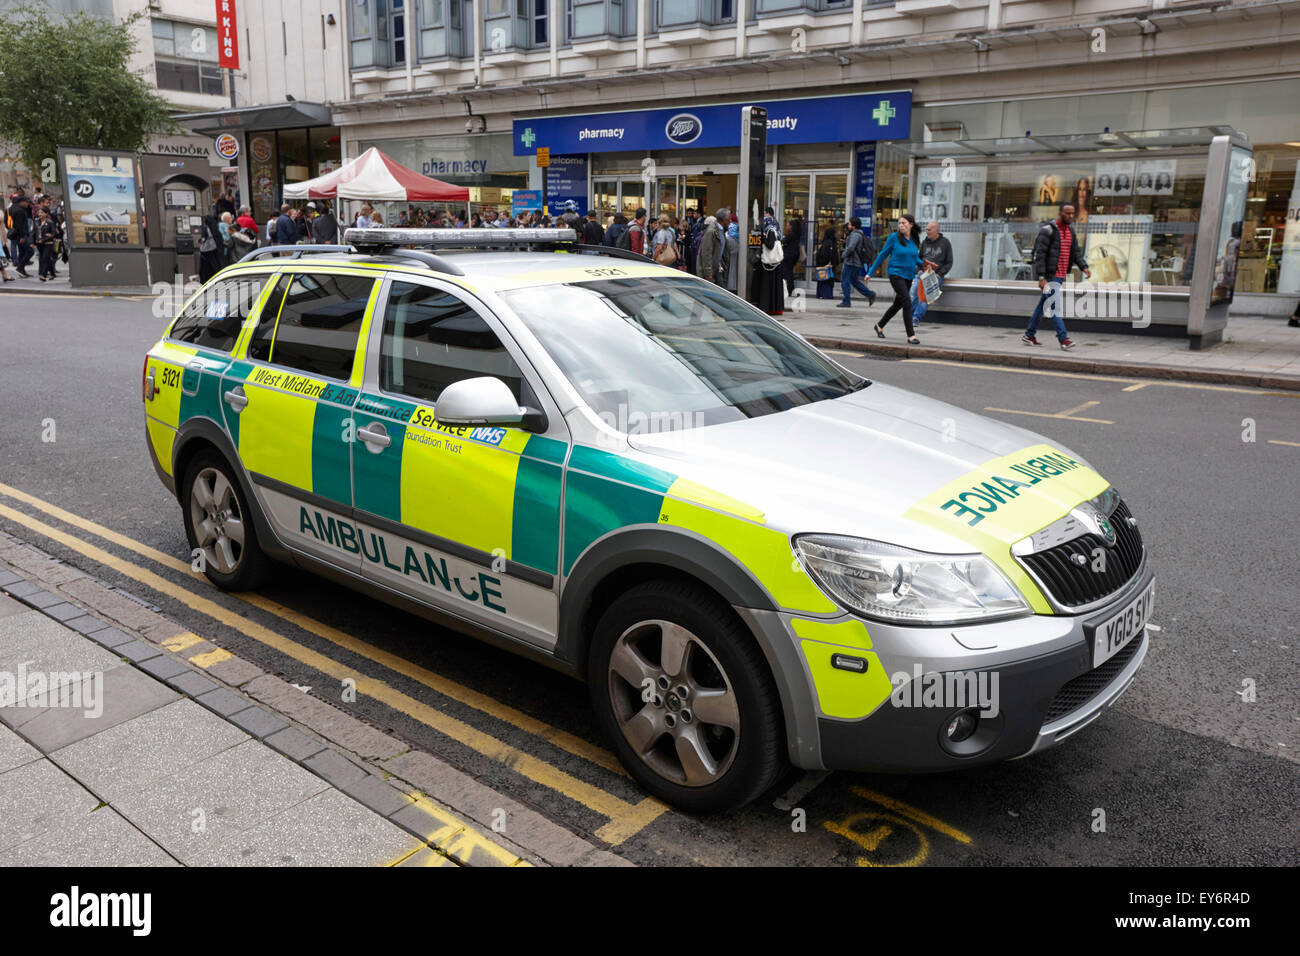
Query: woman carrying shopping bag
[903, 250]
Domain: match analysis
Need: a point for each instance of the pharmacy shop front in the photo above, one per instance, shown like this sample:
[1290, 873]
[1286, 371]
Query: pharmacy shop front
[828, 158]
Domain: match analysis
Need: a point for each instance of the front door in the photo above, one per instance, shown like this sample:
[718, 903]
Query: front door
[465, 519]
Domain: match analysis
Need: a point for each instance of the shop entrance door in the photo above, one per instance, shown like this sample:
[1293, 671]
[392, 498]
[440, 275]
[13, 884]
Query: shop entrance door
[820, 201]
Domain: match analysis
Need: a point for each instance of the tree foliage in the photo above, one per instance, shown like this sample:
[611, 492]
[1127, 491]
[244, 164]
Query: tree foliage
[66, 82]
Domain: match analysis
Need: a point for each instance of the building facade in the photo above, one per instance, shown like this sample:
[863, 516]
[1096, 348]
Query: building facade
[993, 113]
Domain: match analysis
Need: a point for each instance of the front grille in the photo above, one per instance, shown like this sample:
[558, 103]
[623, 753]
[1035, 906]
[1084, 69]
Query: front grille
[1087, 686]
[1073, 584]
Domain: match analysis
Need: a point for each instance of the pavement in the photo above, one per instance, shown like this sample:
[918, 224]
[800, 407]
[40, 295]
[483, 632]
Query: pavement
[1257, 351]
[147, 745]
[62, 284]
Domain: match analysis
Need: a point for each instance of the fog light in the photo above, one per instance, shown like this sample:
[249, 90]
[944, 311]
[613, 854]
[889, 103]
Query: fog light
[962, 725]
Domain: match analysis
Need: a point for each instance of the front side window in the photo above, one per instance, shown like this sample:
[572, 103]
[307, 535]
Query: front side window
[674, 353]
[319, 323]
[213, 318]
[432, 339]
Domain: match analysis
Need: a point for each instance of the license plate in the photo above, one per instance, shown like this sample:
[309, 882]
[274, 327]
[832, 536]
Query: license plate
[1115, 632]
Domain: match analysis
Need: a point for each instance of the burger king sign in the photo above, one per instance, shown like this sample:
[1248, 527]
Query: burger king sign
[227, 146]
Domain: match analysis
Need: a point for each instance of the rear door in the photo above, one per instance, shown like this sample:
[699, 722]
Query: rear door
[467, 519]
[187, 366]
[290, 406]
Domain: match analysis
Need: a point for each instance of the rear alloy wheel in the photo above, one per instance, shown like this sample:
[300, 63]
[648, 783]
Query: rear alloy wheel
[686, 697]
[219, 527]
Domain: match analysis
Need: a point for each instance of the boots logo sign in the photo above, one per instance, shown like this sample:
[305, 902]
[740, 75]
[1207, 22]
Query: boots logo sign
[683, 128]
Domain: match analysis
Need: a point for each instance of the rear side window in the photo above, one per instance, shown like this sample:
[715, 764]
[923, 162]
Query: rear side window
[214, 317]
[319, 323]
[259, 346]
[432, 339]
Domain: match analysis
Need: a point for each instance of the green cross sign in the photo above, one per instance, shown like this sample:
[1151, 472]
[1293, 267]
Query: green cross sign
[528, 137]
[883, 113]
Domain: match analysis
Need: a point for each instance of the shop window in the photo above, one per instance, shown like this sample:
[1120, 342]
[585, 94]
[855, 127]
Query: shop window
[189, 76]
[1137, 214]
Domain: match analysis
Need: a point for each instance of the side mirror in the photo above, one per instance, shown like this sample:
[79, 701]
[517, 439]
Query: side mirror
[484, 401]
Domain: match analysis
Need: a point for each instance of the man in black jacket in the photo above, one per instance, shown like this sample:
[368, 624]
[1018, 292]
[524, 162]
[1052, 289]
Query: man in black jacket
[21, 249]
[1055, 250]
[936, 257]
[592, 233]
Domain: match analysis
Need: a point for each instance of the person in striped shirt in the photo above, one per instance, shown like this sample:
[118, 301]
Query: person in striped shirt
[1055, 250]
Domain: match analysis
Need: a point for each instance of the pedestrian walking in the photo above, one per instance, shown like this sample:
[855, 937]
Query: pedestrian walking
[1056, 249]
[792, 246]
[827, 260]
[635, 235]
[226, 223]
[1295, 318]
[246, 221]
[857, 251]
[19, 221]
[936, 257]
[903, 250]
[44, 235]
[210, 255]
[766, 289]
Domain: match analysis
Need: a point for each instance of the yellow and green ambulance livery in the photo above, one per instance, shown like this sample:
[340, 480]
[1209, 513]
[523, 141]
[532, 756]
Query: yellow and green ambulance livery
[754, 556]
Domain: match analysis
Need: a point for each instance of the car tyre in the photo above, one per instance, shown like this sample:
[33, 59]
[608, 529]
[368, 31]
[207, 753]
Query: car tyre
[686, 697]
[219, 524]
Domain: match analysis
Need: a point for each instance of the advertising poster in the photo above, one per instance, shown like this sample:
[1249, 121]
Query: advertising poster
[1113, 179]
[1155, 177]
[566, 178]
[525, 200]
[261, 174]
[103, 199]
[1288, 277]
[968, 194]
[1117, 247]
[864, 182]
[935, 194]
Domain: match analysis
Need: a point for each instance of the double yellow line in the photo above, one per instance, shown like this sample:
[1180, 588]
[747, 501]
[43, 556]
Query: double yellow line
[625, 819]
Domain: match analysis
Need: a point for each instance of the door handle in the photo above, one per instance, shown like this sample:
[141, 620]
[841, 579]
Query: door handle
[236, 399]
[375, 435]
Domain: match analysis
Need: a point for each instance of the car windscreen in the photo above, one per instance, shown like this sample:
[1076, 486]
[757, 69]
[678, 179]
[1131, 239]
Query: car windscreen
[657, 354]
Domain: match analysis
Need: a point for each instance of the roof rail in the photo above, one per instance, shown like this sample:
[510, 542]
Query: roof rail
[436, 263]
[469, 238]
[526, 238]
[293, 252]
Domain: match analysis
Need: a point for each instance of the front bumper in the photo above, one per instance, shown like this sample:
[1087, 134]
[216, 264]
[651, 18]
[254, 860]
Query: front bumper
[1042, 698]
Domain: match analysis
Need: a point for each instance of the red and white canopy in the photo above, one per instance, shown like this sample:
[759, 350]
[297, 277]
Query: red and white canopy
[375, 177]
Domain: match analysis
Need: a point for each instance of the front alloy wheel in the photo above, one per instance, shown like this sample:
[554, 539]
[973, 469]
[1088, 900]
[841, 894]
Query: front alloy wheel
[684, 695]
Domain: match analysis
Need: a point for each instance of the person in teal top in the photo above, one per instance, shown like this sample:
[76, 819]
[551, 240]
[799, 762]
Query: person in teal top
[903, 250]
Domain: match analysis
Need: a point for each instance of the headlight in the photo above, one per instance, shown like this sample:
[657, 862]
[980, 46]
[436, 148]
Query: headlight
[911, 587]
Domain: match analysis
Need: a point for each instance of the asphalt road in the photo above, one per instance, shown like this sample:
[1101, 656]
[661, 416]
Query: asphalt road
[1185, 770]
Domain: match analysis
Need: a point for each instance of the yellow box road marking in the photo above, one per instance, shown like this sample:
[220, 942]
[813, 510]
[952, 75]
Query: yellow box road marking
[1136, 387]
[1276, 441]
[208, 658]
[448, 688]
[1092, 377]
[457, 838]
[533, 768]
[1056, 415]
[912, 813]
[181, 642]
